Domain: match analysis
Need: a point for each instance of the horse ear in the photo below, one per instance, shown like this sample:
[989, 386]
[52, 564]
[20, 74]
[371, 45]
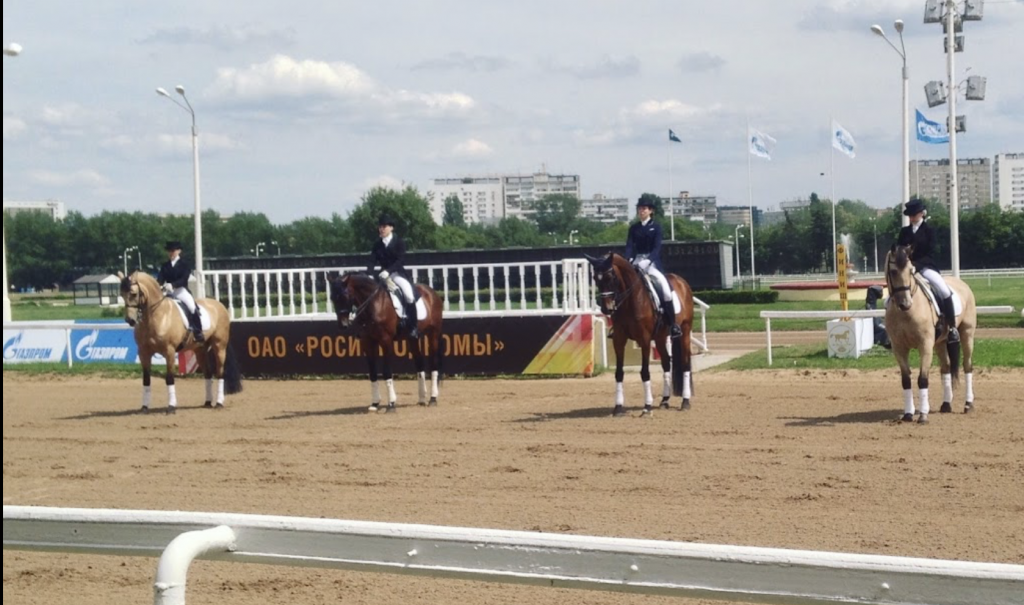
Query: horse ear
[120, 275]
[893, 249]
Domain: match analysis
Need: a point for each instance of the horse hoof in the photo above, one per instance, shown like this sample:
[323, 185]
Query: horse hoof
[619, 411]
[422, 404]
[922, 419]
[665, 403]
[648, 412]
[144, 411]
[432, 403]
[374, 407]
[968, 407]
[218, 407]
[907, 418]
[946, 408]
[391, 409]
[172, 410]
[686, 405]
[208, 404]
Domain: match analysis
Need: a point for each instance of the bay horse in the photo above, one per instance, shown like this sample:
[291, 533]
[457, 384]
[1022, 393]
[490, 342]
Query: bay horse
[911, 319]
[364, 301]
[161, 329]
[635, 315]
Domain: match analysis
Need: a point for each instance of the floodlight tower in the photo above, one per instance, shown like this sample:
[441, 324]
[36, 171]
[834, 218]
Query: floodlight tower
[937, 93]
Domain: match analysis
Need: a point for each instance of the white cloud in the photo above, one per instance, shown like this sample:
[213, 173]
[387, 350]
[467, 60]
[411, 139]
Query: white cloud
[220, 37]
[472, 148]
[13, 128]
[605, 67]
[665, 111]
[384, 181]
[283, 76]
[81, 178]
[207, 142]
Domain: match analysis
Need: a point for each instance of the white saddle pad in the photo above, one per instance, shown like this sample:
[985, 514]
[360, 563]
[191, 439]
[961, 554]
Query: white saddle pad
[204, 317]
[396, 300]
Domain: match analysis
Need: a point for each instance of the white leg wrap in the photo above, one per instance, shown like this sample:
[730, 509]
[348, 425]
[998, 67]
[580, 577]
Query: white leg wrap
[374, 393]
[620, 397]
[392, 397]
[172, 397]
[908, 401]
[666, 390]
[969, 385]
[147, 396]
[947, 388]
[687, 392]
[423, 387]
[209, 389]
[648, 397]
[220, 391]
[433, 384]
[923, 396]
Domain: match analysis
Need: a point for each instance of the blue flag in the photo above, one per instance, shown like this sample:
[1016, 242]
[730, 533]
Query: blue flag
[843, 140]
[930, 132]
[672, 136]
[761, 144]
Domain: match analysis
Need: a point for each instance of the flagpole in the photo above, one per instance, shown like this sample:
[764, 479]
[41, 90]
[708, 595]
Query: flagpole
[917, 169]
[671, 203]
[750, 196]
[832, 169]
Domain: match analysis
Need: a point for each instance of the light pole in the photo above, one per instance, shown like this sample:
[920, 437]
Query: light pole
[11, 50]
[200, 282]
[736, 239]
[571, 234]
[259, 247]
[124, 257]
[874, 223]
[902, 52]
[278, 246]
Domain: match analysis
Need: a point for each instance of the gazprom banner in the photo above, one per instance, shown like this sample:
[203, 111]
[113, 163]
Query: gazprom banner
[87, 346]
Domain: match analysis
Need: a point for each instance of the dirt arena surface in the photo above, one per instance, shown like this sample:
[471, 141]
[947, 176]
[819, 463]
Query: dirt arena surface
[809, 460]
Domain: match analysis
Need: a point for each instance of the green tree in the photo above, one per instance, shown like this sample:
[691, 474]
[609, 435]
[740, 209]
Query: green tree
[410, 210]
[38, 249]
[454, 212]
[557, 213]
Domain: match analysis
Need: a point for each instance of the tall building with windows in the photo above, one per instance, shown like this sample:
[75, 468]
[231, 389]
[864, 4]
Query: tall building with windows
[974, 176]
[608, 211]
[488, 199]
[53, 208]
[697, 208]
[1008, 181]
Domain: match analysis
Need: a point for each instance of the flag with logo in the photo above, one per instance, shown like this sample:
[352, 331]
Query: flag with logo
[843, 140]
[930, 132]
[760, 143]
[672, 136]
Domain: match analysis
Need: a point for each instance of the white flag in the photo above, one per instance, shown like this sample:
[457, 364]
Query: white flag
[761, 144]
[843, 140]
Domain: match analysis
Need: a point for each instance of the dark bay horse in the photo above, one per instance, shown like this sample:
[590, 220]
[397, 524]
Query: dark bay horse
[910, 321]
[624, 298]
[365, 302]
[160, 329]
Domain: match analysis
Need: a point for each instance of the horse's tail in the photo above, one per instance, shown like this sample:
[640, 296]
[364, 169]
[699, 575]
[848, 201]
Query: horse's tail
[953, 348]
[678, 362]
[440, 352]
[232, 373]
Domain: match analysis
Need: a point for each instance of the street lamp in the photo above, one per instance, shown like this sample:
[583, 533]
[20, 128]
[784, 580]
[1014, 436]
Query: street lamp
[274, 243]
[200, 282]
[124, 257]
[11, 50]
[902, 52]
[572, 233]
[874, 223]
[736, 239]
[260, 246]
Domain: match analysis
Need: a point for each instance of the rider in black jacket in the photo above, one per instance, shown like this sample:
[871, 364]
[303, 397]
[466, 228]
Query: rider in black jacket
[921, 237]
[643, 249]
[174, 276]
[389, 253]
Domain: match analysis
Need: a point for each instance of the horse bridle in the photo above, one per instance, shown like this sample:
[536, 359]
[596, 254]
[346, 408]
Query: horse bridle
[616, 296]
[140, 310]
[356, 311]
[908, 288]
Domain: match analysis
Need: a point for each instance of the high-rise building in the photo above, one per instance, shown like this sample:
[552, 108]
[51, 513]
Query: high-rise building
[1008, 181]
[488, 199]
[974, 176]
[697, 208]
[55, 209]
[608, 211]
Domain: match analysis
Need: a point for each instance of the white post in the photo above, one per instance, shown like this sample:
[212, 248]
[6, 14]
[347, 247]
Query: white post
[750, 196]
[671, 196]
[200, 280]
[832, 170]
[906, 140]
[11, 50]
[954, 187]
[169, 588]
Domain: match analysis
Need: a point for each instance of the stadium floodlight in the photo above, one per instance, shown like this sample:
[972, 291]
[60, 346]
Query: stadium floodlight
[935, 93]
[958, 25]
[973, 10]
[958, 44]
[961, 124]
[933, 11]
[976, 88]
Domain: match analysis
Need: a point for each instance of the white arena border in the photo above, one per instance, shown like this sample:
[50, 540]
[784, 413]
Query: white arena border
[730, 573]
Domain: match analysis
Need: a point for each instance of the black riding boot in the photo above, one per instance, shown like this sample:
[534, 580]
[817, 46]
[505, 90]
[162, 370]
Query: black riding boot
[410, 320]
[668, 315]
[949, 316]
[197, 327]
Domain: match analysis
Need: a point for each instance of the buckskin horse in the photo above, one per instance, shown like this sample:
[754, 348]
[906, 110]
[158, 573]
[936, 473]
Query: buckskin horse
[911, 320]
[161, 328]
[365, 302]
[635, 315]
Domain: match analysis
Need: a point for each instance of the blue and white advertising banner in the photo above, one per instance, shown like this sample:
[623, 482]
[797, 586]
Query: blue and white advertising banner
[87, 345]
[34, 346]
[106, 346]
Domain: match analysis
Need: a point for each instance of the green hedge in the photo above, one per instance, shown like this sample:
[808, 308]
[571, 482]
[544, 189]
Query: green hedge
[738, 297]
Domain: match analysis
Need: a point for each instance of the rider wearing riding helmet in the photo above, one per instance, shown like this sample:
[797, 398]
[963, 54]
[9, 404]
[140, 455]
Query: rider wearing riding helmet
[920, 236]
[389, 253]
[643, 249]
[174, 276]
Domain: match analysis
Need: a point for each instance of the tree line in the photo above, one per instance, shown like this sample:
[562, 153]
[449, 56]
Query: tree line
[43, 253]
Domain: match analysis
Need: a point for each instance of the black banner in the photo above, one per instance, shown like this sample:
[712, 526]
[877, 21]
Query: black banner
[474, 346]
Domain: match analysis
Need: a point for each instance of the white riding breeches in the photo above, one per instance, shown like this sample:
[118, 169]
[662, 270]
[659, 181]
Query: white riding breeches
[403, 285]
[938, 284]
[648, 267]
[183, 296]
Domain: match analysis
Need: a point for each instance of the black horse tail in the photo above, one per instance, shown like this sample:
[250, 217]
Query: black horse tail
[953, 348]
[232, 373]
[680, 359]
[440, 353]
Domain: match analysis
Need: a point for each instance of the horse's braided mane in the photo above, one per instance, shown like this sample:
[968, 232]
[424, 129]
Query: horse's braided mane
[902, 258]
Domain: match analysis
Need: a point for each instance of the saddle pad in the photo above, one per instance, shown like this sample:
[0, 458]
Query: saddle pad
[677, 306]
[204, 317]
[958, 303]
[396, 300]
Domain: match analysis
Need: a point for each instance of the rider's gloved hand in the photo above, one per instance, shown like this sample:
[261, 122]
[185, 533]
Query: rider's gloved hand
[168, 288]
[384, 274]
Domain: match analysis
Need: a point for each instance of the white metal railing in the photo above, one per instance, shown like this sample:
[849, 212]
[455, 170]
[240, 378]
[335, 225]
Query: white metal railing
[766, 280]
[767, 316]
[677, 569]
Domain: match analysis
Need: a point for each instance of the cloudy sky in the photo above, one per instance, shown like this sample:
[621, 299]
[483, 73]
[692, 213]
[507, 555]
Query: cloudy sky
[304, 105]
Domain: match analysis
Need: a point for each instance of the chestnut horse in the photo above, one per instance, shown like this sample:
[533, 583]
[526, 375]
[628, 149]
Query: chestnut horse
[161, 329]
[365, 302]
[624, 297]
[910, 321]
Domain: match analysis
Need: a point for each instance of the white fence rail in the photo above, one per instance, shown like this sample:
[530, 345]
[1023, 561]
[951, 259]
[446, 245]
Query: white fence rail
[732, 573]
[989, 274]
[768, 316]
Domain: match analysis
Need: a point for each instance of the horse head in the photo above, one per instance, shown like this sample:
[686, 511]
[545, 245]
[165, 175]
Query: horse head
[133, 299]
[899, 276]
[350, 293]
[609, 279]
